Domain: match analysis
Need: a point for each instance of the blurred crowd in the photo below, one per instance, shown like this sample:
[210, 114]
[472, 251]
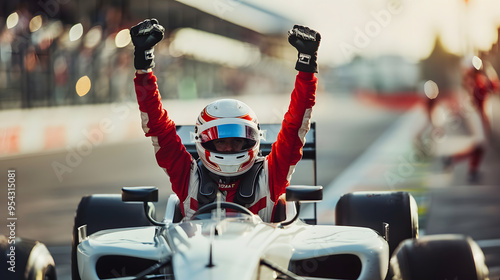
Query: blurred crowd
[51, 61]
[42, 59]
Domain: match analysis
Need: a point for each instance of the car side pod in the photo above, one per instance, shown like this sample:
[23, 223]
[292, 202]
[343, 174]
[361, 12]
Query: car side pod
[302, 193]
[146, 195]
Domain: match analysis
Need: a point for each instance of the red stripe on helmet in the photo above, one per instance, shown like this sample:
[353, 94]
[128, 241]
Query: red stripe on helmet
[206, 116]
[250, 160]
[213, 164]
[209, 134]
[246, 117]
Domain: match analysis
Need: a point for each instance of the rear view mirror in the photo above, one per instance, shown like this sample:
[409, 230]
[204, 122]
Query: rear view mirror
[146, 195]
[304, 193]
[300, 194]
[141, 194]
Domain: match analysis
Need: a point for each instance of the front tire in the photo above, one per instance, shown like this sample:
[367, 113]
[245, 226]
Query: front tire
[439, 257]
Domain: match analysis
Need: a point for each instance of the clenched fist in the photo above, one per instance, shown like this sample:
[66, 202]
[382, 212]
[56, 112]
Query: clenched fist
[145, 36]
[306, 41]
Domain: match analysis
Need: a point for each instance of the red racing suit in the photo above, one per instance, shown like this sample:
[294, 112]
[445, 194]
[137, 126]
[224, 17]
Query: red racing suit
[279, 165]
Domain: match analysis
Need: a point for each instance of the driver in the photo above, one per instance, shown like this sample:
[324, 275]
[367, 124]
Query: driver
[227, 134]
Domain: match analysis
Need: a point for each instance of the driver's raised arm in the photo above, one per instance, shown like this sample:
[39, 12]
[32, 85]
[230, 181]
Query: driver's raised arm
[287, 150]
[170, 153]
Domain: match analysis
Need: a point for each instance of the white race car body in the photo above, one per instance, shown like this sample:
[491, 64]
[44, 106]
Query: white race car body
[235, 247]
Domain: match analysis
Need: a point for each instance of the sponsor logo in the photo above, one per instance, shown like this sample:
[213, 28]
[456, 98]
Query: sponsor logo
[149, 54]
[227, 186]
[304, 58]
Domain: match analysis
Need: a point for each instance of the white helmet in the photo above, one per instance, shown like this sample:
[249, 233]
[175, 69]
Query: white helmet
[227, 118]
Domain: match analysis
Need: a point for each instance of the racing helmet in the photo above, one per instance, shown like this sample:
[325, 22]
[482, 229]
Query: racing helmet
[227, 118]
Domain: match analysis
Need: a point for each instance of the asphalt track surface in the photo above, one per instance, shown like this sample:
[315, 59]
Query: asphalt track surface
[352, 139]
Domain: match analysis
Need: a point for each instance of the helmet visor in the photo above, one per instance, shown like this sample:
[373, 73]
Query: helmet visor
[228, 131]
[249, 134]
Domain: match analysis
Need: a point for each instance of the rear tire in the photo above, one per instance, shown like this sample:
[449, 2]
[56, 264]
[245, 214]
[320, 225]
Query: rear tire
[439, 257]
[100, 212]
[373, 209]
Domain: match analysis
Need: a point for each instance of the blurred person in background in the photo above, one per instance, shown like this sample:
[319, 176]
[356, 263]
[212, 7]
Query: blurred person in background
[227, 134]
[479, 81]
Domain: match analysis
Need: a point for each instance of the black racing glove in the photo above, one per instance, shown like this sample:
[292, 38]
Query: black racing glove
[145, 36]
[306, 41]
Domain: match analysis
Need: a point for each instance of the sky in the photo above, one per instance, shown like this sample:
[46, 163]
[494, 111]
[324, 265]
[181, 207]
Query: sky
[377, 27]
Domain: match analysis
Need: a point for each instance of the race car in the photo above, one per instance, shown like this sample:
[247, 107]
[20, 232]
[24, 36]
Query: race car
[118, 237]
